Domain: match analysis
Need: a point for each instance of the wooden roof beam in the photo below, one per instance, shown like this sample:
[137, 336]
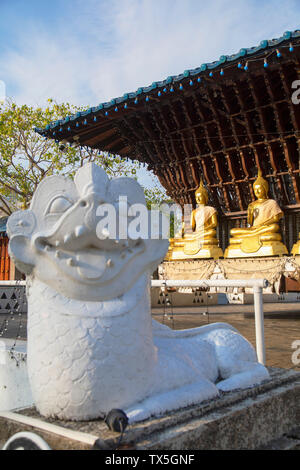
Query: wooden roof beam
[242, 148]
[212, 121]
[292, 172]
[181, 168]
[86, 132]
[209, 181]
[276, 109]
[179, 174]
[192, 132]
[238, 143]
[280, 126]
[293, 109]
[248, 122]
[231, 119]
[167, 150]
[142, 149]
[184, 141]
[276, 171]
[103, 137]
[152, 136]
[193, 163]
[263, 121]
[211, 154]
[232, 171]
[227, 155]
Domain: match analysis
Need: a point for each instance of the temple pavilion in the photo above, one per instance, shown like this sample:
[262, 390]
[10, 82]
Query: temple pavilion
[220, 123]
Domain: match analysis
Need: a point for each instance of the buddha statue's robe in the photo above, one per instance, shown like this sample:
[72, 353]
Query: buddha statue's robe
[202, 242]
[266, 211]
[204, 226]
[204, 234]
[263, 237]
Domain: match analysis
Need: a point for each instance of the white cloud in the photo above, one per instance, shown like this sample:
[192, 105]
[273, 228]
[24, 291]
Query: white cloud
[102, 49]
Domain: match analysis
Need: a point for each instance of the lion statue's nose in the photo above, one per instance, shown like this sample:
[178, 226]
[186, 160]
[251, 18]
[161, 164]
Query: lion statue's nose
[92, 201]
[91, 179]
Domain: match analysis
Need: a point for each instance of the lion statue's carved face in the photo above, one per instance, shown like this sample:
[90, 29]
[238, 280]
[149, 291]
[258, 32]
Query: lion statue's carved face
[57, 240]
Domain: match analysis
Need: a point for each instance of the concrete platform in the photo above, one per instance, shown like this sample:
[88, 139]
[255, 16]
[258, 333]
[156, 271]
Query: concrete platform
[267, 416]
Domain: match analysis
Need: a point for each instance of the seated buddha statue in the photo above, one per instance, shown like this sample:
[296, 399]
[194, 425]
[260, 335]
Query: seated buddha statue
[202, 242]
[262, 236]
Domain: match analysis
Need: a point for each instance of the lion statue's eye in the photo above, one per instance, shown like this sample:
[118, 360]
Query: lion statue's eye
[59, 205]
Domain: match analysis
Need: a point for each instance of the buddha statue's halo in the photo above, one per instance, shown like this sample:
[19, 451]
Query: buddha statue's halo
[262, 182]
[202, 191]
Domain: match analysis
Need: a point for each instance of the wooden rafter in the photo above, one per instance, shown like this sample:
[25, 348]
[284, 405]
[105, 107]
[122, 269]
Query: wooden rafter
[250, 130]
[292, 173]
[222, 131]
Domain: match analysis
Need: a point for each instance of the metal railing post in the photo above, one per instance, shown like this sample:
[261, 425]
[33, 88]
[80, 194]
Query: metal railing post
[259, 324]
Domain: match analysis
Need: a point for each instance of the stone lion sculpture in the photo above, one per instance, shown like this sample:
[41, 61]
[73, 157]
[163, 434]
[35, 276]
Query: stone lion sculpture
[92, 345]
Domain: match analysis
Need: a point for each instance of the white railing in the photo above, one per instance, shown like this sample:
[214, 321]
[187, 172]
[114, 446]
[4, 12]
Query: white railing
[12, 283]
[256, 284]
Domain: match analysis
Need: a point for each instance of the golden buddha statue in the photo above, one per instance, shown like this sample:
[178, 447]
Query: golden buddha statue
[262, 237]
[202, 242]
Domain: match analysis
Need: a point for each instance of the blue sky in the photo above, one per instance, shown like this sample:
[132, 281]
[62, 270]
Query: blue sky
[89, 51]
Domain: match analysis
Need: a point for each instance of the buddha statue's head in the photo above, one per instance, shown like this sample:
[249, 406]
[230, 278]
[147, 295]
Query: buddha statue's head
[201, 195]
[261, 187]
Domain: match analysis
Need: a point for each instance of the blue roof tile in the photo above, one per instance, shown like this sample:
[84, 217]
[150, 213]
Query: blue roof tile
[224, 59]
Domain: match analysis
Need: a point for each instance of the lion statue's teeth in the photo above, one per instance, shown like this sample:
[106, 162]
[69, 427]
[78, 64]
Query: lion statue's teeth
[79, 231]
[67, 238]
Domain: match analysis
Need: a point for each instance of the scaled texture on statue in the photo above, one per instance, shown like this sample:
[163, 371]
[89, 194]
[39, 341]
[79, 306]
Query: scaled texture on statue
[202, 243]
[92, 345]
[262, 236]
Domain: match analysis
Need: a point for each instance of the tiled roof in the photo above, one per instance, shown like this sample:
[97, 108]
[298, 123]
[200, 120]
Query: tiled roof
[225, 60]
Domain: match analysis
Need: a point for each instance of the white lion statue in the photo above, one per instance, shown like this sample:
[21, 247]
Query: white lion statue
[92, 345]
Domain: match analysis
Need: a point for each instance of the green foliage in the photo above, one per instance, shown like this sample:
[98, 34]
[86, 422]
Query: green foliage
[26, 157]
[155, 196]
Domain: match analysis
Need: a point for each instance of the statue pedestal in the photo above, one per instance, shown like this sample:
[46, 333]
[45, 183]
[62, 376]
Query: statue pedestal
[277, 248]
[177, 251]
[255, 418]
